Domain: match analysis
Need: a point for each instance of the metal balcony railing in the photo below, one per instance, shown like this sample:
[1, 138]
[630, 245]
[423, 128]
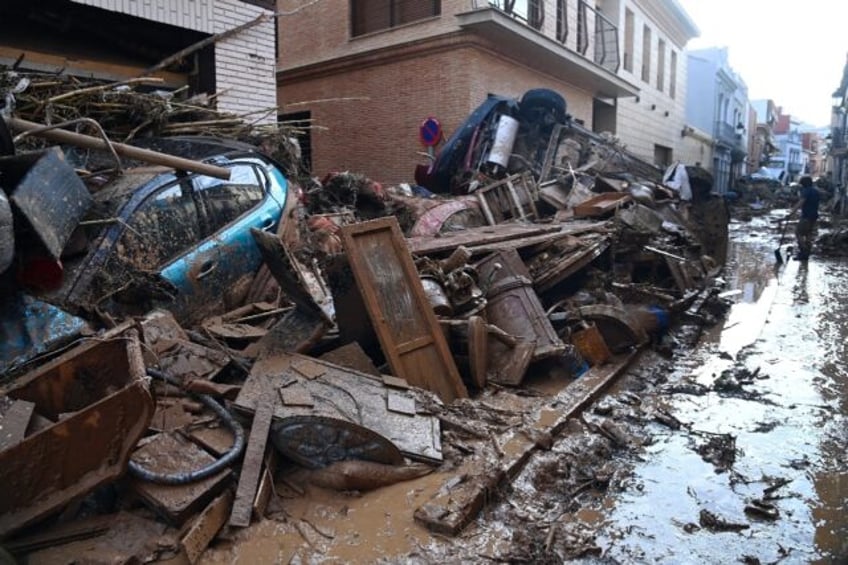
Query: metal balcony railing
[725, 132]
[606, 38]
[530, 12]
[839, 138]
[594, 30]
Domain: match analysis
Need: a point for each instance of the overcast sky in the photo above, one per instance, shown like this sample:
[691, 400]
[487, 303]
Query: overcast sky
[790, 51]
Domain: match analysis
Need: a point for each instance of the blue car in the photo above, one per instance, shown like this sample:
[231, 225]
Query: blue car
[157, 238]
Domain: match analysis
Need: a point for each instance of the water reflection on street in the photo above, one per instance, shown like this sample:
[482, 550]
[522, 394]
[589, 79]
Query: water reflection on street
[791, 325]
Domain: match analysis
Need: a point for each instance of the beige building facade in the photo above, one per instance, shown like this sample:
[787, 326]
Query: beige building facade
[654, 36]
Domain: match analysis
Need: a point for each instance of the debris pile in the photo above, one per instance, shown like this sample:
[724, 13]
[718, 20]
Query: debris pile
[346, 335]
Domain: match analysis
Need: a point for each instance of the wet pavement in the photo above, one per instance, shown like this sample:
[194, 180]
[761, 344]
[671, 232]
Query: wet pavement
[787, 332]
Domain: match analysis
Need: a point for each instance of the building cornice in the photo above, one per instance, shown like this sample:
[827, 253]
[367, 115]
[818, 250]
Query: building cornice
[670, 17]
[435, 45]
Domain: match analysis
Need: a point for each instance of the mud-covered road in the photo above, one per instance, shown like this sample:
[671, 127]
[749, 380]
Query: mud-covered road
[775, 380]
[725, 445]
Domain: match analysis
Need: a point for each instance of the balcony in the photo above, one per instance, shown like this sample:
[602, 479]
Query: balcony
[729, 136]
[839, 138]
[537, 31]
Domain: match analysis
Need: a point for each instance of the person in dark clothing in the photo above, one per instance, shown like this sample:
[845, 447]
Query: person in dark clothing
[809, 205]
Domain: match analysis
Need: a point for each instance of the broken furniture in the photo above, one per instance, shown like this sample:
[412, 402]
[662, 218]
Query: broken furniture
[510, 199]
[601, 205]
[332, 411]
[98, 406]
[513, 305]
[394, 299]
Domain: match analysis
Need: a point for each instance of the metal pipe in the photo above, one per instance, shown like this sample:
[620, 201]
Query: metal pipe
[146, 155]
[89, 121]
[193, 476]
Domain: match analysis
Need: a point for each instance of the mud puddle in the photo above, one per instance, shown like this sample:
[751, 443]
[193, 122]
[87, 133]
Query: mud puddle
[757, 472]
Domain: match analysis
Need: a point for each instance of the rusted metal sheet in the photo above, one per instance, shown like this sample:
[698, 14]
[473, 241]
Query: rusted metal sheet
[252, 466]
[406, 326]
[48, 193]
[345, 395]
[101, 387]
[170, 453]
[513, 305]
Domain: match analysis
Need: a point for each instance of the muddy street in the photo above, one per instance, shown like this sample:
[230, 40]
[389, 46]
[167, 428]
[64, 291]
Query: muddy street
[730, 450]
[783, 496]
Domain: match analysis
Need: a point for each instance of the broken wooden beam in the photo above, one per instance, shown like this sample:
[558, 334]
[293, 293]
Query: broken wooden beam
[253, 464]
[206, 526]
[137, 153]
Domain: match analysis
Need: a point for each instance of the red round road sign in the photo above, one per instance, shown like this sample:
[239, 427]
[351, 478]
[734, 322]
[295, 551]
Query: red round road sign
[430, 132]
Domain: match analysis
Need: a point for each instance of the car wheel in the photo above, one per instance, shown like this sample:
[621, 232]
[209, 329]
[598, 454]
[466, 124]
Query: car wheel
[539, 101]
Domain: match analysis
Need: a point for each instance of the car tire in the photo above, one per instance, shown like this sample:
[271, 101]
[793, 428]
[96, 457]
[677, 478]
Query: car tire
[538, 100]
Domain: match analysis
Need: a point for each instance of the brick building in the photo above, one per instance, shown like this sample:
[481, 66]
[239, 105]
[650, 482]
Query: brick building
[365, 74]
[119, 39]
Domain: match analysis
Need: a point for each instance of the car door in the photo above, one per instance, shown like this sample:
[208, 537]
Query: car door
[156, 236]
[223, 265]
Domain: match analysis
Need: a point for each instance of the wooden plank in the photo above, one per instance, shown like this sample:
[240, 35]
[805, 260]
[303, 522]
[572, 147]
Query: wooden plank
[60, 534]
[206, 526]
[252, 466]
[170, 453]
[575, 262]
[403, 318]
[470, 237]
[266, 484]
[14, 423]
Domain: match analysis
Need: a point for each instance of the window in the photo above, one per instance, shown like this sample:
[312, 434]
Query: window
[662, 156]
[672, 76]
[368, 16]
[162, 228]
[562, 21]
[660, 65]
[646, 54]
[628, 40]
[222, 201]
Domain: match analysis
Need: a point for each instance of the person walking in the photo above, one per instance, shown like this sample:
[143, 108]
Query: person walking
[808, 203]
